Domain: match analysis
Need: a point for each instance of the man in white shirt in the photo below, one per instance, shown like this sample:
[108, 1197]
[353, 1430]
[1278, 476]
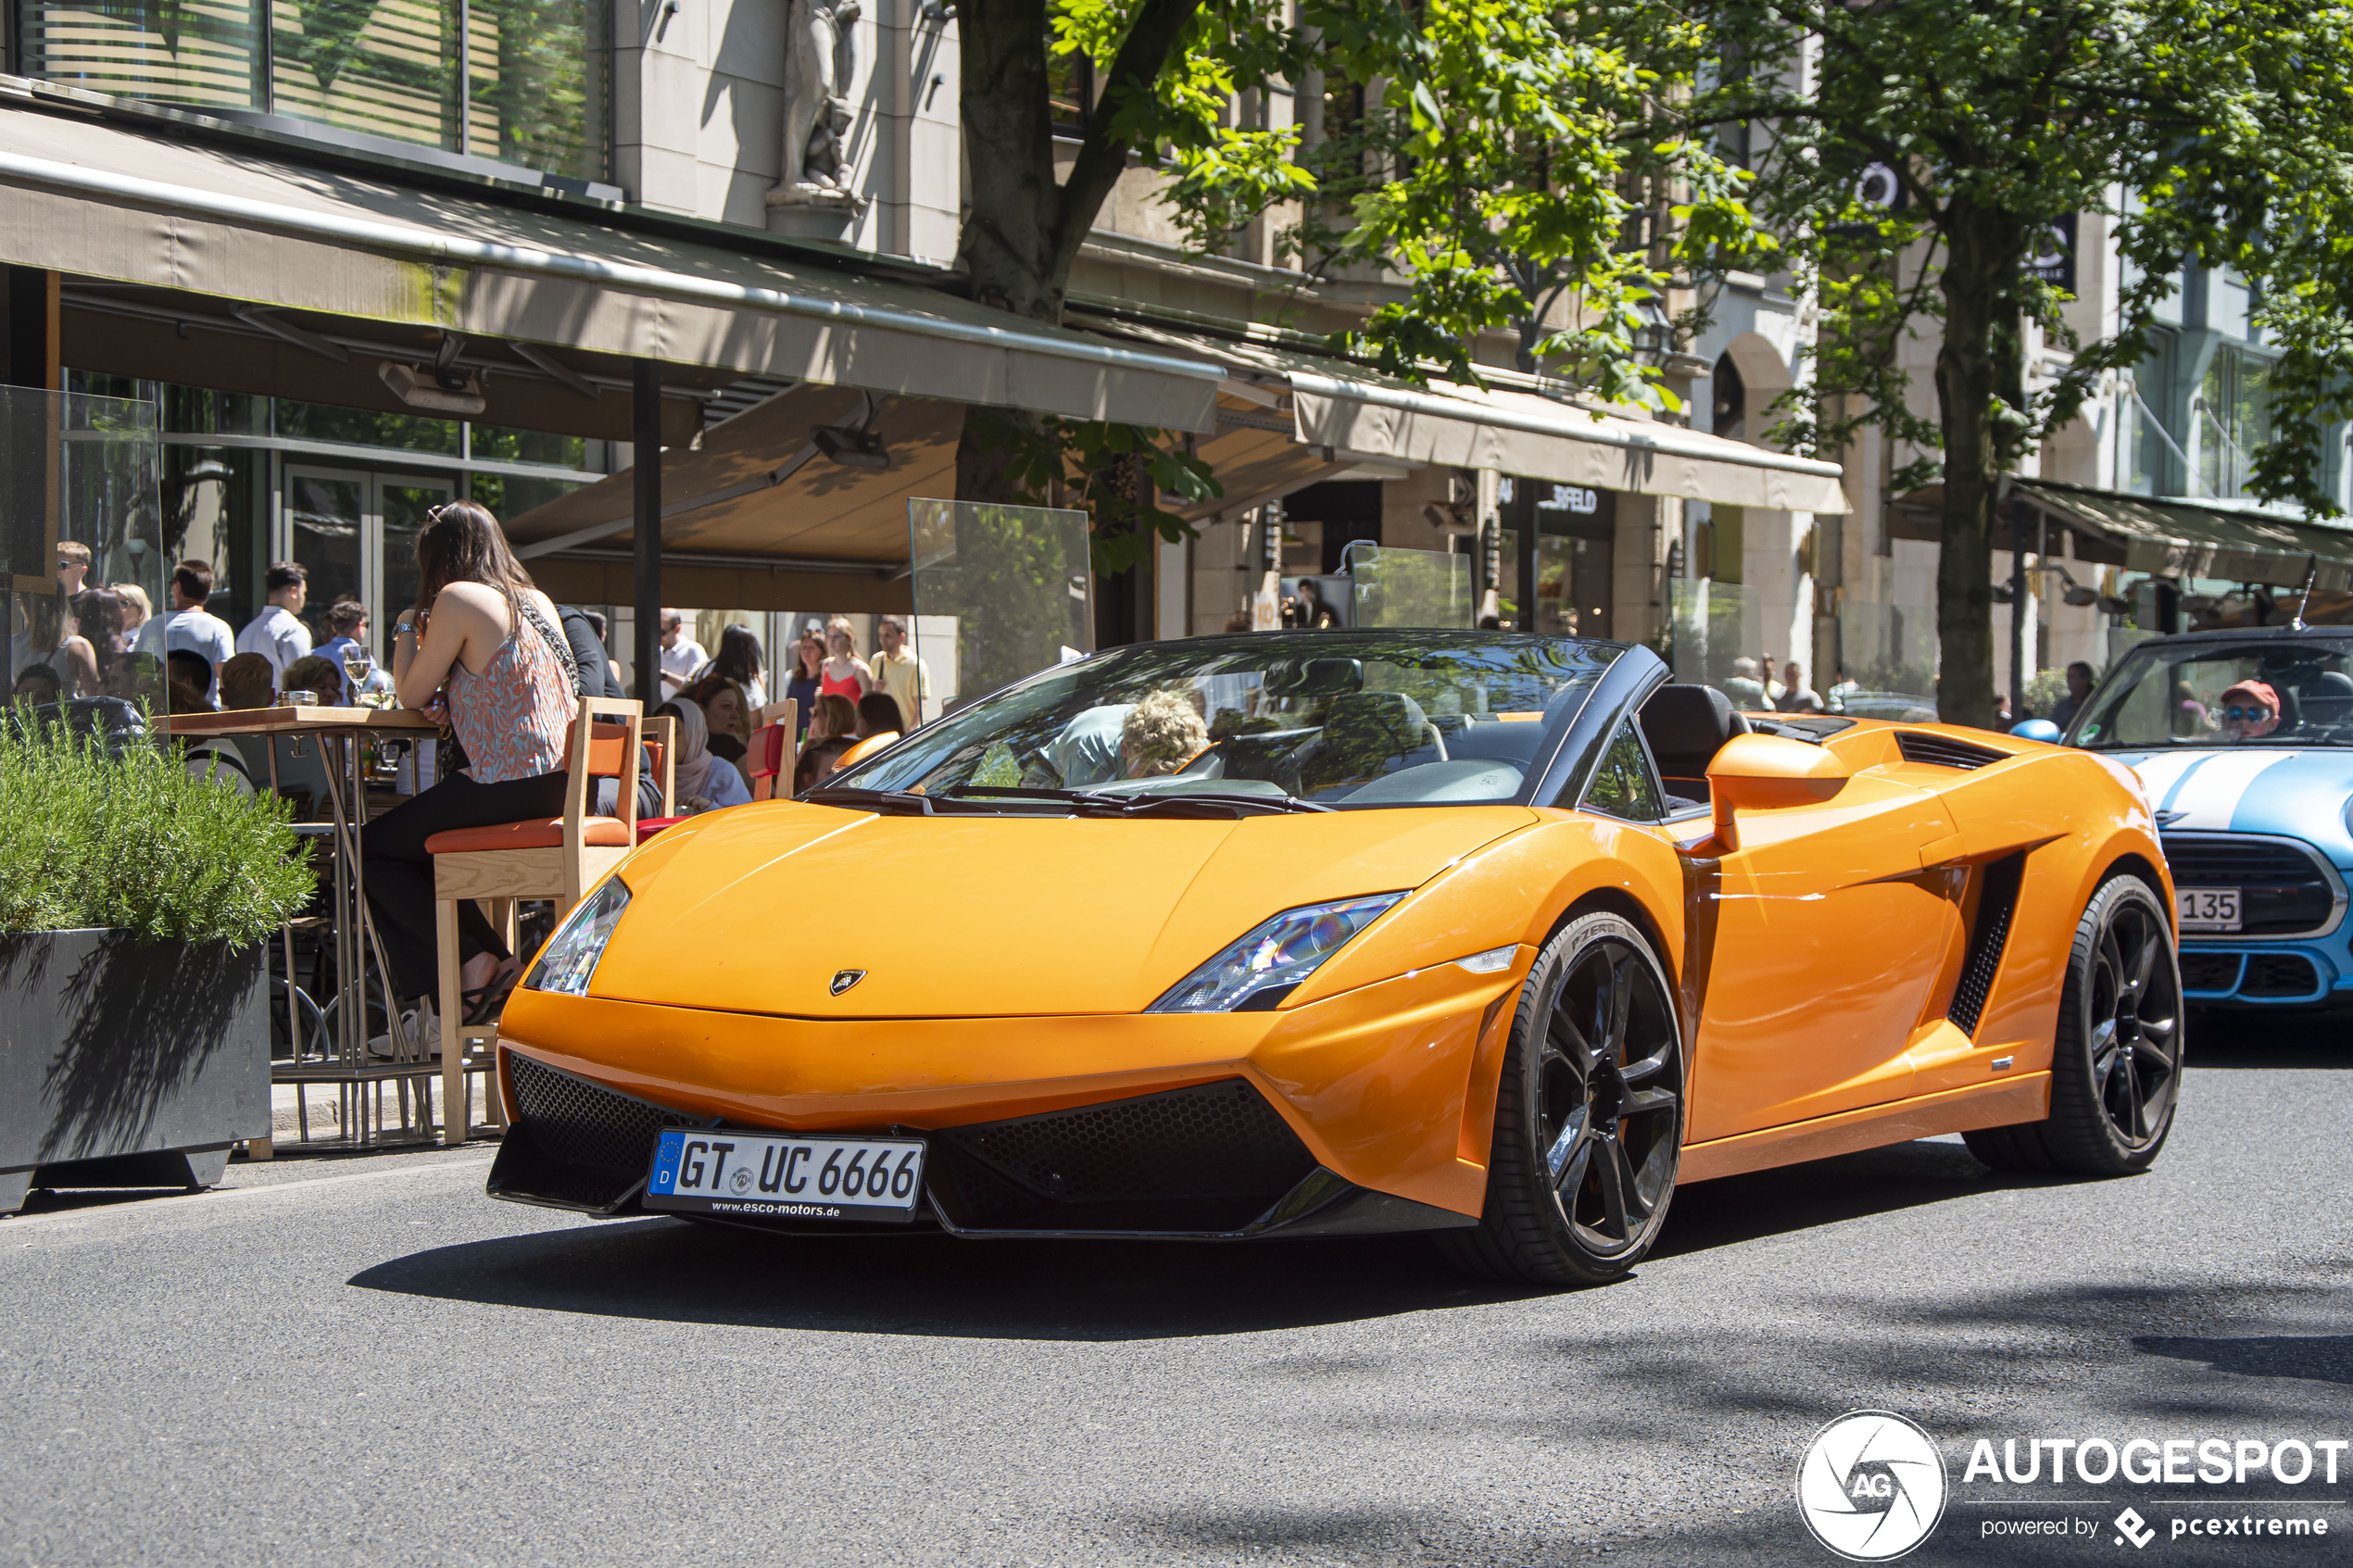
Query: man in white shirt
[188, 627]
[898, 674]
[277, 633]
[681, 655]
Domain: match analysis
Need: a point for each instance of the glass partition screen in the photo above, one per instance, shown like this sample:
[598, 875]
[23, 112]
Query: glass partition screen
[80, 520]
[1001, 592]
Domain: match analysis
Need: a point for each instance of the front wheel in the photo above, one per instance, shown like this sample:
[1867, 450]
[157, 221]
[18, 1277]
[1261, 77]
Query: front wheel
[1588, 1115]
[2116, 1064]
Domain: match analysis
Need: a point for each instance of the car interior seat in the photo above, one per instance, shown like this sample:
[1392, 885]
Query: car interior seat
[1363, 733]
[2328, 700]
[1686, 726]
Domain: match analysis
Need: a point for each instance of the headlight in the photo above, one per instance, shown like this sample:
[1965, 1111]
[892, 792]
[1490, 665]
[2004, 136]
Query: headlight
[572, 954]
[1258, 972]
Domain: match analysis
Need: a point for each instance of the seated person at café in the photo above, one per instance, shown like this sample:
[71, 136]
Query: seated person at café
[139, 677]
[221, 759]
[1162, 734]
[835, 715]
[818, 761]
[180, 668]
[703, 783]
[38, 683]
[247, 681]
[321, 677]
[725, 714]
[877, 715]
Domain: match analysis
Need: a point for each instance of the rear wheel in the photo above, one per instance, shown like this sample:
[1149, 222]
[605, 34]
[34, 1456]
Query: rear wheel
[2116, 1063]
[1588, 1115]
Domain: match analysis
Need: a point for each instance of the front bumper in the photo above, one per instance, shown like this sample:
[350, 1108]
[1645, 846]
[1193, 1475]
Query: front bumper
[1220, 1125]
[1211, 1162]
[2291, 974]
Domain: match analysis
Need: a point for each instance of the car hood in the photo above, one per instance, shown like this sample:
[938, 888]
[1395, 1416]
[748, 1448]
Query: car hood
[758, 909]
[2297, 792]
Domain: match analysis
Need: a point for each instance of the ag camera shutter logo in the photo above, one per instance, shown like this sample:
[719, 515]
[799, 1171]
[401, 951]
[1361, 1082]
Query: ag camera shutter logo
[1871, 1486]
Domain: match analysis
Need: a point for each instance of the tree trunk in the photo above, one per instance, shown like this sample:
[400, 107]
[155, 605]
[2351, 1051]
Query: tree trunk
[1009, 238]
[1980, 375]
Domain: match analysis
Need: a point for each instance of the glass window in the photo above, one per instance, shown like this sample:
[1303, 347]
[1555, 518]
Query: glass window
[1622, 785]
[363, 427]
[501, 444]
[520, 80]
[1342, 719]
[2283, 691]
[508, 496]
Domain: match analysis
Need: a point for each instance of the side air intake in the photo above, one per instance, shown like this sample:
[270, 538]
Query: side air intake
[1943, 751]
[1989, 932]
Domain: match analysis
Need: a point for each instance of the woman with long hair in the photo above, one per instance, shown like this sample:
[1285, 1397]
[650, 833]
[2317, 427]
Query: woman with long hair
[739, 659]
[50, 637]
[484, 647]
[807, 677]
[845, 674]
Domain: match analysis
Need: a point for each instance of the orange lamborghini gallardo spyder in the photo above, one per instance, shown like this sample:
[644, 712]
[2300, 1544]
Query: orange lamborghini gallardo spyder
[1494, 936]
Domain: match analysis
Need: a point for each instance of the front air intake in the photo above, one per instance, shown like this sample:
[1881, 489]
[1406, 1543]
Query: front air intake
[1943, 751]
[576, 1145]
[1209, 1158]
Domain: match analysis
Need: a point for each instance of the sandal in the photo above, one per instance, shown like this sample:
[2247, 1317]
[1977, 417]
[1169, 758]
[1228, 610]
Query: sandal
[485, 1003]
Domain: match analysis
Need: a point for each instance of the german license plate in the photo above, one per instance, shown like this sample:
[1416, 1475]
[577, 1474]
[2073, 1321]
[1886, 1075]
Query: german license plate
[778, 1176]
[2208, 909]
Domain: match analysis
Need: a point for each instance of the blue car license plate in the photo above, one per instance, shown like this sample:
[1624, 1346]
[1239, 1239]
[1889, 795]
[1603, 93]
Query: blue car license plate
[782, 1176]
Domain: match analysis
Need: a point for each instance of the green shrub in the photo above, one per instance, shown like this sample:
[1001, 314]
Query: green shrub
[90, 839]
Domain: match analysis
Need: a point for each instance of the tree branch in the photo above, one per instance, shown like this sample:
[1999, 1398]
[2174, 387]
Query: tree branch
[1102, 154]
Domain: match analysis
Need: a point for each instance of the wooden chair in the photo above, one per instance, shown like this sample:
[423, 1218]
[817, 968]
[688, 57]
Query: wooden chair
[556, 858]
[787, 713]
[773, 754]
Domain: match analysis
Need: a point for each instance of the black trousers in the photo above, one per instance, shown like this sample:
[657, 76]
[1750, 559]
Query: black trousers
[401, 872]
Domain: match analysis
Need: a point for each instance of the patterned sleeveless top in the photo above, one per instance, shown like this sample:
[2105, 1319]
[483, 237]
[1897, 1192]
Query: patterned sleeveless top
[512, 717]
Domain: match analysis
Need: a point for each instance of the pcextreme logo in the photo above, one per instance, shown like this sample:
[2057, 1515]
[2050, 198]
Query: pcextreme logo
[1872, 1486]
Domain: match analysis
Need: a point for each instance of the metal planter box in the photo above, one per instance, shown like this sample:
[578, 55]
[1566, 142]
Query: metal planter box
[128, 1064]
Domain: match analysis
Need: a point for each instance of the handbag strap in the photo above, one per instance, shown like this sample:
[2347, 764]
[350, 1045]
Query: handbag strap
[556, 643]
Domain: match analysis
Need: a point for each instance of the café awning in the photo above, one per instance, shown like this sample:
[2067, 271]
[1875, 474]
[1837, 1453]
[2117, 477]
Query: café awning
[98, 201]
[1336, 412]
[2164, 537]
[799, 499]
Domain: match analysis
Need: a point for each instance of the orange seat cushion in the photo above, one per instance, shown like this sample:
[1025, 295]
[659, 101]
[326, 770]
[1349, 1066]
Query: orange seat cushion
[542, 833]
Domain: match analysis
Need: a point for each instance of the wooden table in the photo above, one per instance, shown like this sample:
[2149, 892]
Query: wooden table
[344, 1058]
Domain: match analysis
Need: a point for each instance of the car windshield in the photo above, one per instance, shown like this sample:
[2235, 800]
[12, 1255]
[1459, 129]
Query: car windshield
[1275, 720]
[2275, 692]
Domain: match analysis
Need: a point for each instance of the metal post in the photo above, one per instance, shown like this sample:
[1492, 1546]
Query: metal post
[2017, 614]
[1523, 518]
[646, 432]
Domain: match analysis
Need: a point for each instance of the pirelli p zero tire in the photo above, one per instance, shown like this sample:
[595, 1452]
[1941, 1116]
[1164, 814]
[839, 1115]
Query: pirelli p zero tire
[1588, 1115]
[2116, 1063]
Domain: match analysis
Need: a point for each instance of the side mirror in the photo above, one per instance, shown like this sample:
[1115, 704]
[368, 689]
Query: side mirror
[1760, 773]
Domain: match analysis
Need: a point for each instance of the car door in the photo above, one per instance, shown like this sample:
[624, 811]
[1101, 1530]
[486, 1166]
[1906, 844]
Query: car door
[1824, 937]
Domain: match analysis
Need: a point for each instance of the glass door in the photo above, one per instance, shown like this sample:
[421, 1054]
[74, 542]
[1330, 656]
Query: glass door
[356, 530]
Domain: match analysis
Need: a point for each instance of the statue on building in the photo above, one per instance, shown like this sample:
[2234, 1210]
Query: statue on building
[819, 70]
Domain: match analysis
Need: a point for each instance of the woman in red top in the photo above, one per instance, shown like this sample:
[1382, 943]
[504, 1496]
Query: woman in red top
[845, 674]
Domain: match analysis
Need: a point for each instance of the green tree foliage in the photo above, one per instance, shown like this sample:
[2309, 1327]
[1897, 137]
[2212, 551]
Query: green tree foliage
[1510, 155]
[2211, 133]
[90, 838]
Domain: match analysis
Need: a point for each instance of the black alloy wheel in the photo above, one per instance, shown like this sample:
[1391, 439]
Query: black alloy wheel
[2116, 1064]
[1588, 1115]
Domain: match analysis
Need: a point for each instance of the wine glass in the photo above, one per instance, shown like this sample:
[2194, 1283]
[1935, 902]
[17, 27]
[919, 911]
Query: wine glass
[359, 663]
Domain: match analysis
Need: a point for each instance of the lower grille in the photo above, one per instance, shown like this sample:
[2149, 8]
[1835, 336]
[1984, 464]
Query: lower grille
[2284, 889]
[575, 1143]
[2279, 975]
[2209, 972]
[1208, 1159]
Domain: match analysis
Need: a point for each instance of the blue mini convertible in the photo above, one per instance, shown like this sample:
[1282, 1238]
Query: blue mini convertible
[2244, 740]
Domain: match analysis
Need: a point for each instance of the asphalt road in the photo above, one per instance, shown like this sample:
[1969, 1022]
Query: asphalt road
[367, 1362]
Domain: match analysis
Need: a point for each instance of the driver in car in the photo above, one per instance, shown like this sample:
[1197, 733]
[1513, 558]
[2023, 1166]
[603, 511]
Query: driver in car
[2250, 711]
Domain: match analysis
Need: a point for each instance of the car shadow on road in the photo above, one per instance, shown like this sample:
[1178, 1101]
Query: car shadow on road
[1731, 1210]
[670, 1270]
[2246, 1039]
